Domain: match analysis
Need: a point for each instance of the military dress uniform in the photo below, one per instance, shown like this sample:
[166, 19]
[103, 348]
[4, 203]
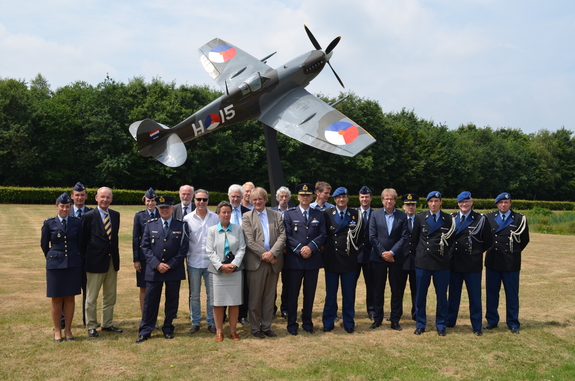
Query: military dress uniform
[302, 231]
[340, 263]
[471, 239]
[163, 245]
[364, 261]
[502, 265]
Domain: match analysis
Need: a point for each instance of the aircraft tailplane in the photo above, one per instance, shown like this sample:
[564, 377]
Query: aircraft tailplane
[155, 139]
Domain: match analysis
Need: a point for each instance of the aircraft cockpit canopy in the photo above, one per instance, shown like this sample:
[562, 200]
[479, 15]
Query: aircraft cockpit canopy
[252, 84]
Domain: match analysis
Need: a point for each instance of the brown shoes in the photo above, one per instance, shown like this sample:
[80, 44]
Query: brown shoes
[219, 337]
[234, 336]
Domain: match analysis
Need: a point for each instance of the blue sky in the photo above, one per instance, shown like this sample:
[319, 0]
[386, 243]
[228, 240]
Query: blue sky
[498, 63]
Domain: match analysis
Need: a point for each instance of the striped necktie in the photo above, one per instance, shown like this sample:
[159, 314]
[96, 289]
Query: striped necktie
[108, 225]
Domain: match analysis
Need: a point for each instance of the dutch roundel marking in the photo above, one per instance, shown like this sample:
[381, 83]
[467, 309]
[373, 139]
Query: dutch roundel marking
[222, 53]
[212, 121]
[341, 133]
[155, 134]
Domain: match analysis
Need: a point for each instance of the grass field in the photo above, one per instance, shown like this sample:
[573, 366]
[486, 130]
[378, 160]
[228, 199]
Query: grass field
[544, 350]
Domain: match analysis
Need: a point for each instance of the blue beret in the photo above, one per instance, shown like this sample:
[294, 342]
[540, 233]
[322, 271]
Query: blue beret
[150, 193]
[79, 187]
[502, 196]
[64, 199]
[465, 195]
[165, 201]
[433, 194]
[365, 190]
[340, 192]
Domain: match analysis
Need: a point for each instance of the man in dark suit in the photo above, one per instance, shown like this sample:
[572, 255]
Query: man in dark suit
[343, 226]
[388, 233]
[409, 207]
[100, 245]
[471, 238]
[236, 195]
[165, 245]
[503, 261]
[432, 231]
[305, 233]
[265, 240]
[283, 197]
[186, 205]
[364, 252]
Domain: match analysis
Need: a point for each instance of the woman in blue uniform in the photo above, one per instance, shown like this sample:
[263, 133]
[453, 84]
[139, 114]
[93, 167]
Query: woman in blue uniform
[60, 240]
[140, 219]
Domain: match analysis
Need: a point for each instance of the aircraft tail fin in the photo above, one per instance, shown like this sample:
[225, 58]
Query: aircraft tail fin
[155, 139]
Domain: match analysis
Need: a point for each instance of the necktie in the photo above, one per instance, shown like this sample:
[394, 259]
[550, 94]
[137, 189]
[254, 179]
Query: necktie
[64, 224]
[305, 216]
[410, 223]
[365, 215]
[165, 226]
[341, 215]
[435, 218]
[503, 217]
[236, 219]
[152, 215]
[79, 213]
[462, 219]
[185, 211]
[265, 228]
[107, 225]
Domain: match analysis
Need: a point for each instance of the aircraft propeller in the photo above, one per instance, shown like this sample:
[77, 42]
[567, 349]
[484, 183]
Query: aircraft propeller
[329, 49]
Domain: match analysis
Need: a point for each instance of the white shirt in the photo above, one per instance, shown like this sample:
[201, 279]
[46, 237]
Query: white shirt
[197, 256]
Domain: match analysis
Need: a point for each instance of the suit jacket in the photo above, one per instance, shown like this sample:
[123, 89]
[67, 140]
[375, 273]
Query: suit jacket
[300, 233]
[409, 248]
[62, 247]
[254, 236]
[215, 247]
[178, 213]
[364, 252]
[466, 258]
[169, 247]
[98, 249]
[427, 236]
[500, 257]
[382, 241]
[140, 219]
[336, 257]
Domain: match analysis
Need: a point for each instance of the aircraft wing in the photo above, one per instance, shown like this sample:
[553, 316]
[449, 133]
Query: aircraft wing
[304, 117]
[228, 64]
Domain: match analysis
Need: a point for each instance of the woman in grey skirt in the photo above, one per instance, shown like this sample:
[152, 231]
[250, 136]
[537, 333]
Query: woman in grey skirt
[225, 246]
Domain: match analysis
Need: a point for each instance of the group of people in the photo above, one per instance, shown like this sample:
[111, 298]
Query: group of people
[240, 250]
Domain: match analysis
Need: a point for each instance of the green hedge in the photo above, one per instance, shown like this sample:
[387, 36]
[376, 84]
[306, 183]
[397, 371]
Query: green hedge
[20, 195]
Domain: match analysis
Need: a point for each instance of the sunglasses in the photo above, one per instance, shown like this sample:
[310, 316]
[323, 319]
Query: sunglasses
[202, 199]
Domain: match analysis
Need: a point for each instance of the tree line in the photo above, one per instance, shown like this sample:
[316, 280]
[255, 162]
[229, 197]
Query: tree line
[79, 132]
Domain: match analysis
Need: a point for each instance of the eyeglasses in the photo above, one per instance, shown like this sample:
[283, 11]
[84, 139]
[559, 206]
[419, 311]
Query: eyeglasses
[202, 199]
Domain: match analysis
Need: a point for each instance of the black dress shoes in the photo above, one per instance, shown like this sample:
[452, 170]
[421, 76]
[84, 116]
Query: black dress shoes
[93, 333]
[515, 330]
[419, 331]
[212, 329]
[441, 332]
[142, 338]
[194, 329]
[396, 326]
[112, 329]
[310, 331]
[270, 333]
[478, 333]
[293, 332]
[243, 321]
[259, 335]
[375, 324]
[490, 326]
[327, 329]
[169, 335]
[349, 330]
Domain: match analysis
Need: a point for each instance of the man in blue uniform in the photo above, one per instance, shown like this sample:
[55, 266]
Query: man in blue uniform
[432, 231]
[472, 237]
[503, 261]
[409, 207]
[364, 252]
[305, 233]
[165, 245]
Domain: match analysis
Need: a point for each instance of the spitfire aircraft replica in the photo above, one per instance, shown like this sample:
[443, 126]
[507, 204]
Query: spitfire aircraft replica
[253, 90]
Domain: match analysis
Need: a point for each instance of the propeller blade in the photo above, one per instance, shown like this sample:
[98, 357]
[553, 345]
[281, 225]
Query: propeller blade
[332, 45]
[312, 38]
[337, 76]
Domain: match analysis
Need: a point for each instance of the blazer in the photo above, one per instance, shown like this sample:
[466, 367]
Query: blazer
[336, 257]
[98, 249]
[61, 247]
[299, 234]
[215, 247]
[254, 236]
[382, 241]
[466, 258]
[427, 237]
[170, 247]
[179, 210]
[140, 219]
[500, 257]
